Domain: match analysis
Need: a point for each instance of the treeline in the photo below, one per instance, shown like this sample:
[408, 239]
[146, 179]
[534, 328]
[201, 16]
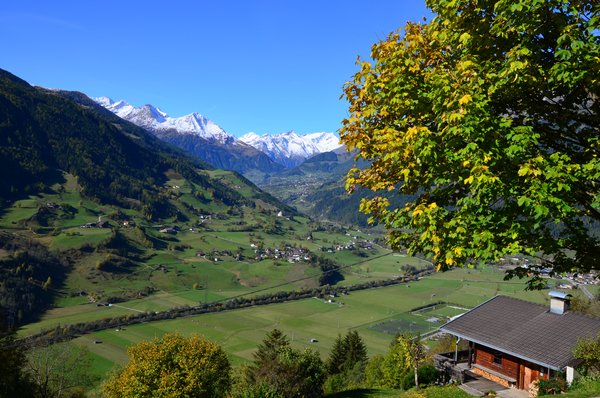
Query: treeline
[28, 275]
[66, 332]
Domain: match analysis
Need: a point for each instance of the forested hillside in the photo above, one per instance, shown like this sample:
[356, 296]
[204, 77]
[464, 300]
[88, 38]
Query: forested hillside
[82, 191]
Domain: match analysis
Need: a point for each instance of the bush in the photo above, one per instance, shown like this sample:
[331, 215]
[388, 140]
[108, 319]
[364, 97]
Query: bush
[428, 374]
[335, 383]
[551, 387]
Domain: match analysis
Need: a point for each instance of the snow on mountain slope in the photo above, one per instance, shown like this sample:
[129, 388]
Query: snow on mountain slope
[287, 149]
[291, 149]
[152, 118]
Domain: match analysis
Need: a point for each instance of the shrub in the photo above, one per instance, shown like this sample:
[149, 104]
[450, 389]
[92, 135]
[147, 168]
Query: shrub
[428, 374]
[551, 387]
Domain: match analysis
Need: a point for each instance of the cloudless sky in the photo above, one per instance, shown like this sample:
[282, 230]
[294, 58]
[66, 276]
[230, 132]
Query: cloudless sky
[257, 65]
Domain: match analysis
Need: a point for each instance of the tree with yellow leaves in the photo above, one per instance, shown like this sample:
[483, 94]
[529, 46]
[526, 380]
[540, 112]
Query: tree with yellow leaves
[172, 366]
[490, 115]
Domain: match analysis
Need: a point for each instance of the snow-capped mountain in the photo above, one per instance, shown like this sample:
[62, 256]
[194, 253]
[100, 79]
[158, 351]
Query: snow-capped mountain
[153, 119]
[196, 134]
[291, 149]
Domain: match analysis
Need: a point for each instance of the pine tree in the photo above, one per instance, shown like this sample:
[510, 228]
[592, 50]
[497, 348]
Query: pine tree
[281, 371]
[265, 358]
[355, 350]
[337, 357]
[346, 353]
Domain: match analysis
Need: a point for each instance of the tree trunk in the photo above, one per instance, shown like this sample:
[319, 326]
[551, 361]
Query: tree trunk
[416, 377]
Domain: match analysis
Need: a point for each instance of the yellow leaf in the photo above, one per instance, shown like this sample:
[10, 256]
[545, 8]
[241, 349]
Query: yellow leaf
[468, 180]
[432, 205]
[465, 99]
[524, 170]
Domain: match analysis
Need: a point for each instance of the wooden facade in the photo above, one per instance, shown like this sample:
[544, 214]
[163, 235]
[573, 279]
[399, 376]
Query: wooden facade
[505, 369]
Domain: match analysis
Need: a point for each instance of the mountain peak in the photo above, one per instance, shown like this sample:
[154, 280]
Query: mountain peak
[153, 119]
[104, 101]
[154, 113]
[291, 149]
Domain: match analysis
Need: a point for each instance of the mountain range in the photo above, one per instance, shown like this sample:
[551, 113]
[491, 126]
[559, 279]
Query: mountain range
[291, 149]
[303, 171]
[197, 135]
[207, 140]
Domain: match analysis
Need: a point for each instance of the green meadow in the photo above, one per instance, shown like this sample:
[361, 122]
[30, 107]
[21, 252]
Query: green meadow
[216, 257]
[368, 311]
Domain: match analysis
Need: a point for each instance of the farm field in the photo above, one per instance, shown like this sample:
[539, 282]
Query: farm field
[240, 331]
[223, 281]
[219, 252]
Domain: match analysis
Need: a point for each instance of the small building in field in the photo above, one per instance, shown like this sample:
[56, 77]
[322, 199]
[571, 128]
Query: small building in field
[514, 342]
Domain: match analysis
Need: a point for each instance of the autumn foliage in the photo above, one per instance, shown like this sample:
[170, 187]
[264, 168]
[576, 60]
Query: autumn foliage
[172, 366]
[490, 115]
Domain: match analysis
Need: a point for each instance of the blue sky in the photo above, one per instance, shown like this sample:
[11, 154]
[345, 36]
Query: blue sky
[257, 65]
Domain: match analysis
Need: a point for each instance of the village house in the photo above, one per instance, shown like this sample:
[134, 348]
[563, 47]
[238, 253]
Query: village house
[514, 342]
[99, 224]
[169, 230]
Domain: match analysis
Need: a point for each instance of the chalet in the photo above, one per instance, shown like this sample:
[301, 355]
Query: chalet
[513, 342]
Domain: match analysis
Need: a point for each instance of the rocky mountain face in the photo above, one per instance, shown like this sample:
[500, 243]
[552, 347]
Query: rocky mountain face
[205, 139]
[291, 149]
[197, 135]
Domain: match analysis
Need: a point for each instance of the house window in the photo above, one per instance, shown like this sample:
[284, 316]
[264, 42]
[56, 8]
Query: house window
[497, 358]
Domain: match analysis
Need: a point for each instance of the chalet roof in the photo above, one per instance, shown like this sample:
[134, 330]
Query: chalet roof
[525, 330]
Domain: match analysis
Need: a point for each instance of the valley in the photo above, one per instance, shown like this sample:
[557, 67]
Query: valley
[112, 235]
[239, 331]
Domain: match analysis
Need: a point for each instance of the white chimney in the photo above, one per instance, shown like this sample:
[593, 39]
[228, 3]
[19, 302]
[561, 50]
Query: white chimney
[559, 302]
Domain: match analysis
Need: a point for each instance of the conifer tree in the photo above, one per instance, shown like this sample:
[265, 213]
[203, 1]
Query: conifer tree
[355, 350]
[265, 358]
[281, 371]
[337, 357]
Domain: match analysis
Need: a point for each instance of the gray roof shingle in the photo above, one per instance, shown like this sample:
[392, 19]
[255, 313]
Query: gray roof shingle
[526, 330]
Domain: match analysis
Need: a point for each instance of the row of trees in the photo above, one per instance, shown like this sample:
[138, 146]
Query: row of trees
[177, 366]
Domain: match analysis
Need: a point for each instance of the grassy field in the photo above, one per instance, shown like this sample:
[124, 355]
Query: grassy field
[215, 256]
[240, 331]
[169, 265]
